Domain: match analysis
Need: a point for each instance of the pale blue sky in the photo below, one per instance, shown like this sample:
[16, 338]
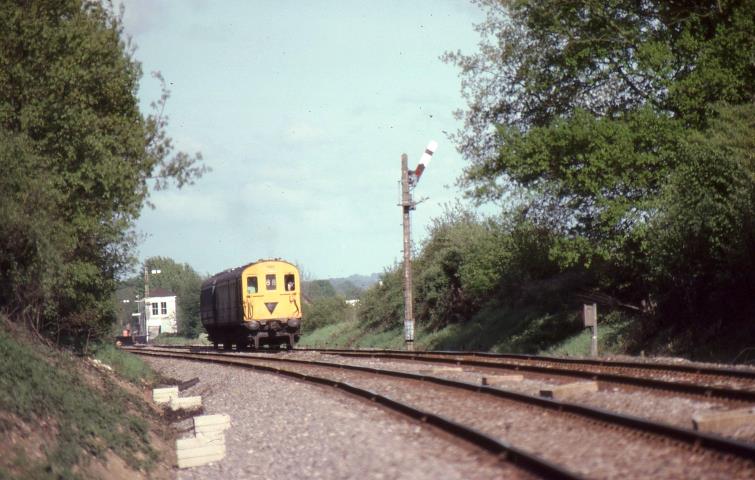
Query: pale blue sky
[302, 109]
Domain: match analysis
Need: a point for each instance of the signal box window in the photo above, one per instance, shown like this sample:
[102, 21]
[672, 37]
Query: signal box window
[163, 308]
[288, 280]
[154, 308]
[270, 282]
[251, 285]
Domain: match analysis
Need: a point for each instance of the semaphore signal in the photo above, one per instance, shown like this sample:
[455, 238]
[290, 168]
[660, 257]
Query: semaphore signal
[409, 179]
[424, 161]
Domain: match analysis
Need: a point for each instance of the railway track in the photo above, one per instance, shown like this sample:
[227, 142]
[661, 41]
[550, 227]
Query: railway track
[732, 385]
[647, 435]
[529, 463]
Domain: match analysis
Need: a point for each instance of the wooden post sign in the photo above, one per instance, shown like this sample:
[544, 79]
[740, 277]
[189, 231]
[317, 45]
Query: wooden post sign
[590, 315]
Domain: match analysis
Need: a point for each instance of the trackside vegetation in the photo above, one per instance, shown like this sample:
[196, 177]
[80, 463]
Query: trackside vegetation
[78, 160]
[76, 414]
[618, 140]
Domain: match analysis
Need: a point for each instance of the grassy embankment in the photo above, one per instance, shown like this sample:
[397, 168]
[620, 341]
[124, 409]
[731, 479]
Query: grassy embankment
[494, 329]
[62, 416]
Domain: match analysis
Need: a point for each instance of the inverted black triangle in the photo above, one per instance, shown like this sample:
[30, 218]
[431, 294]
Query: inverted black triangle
[271, 306]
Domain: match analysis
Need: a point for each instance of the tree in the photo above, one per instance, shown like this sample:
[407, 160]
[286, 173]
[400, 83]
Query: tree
[603, 121]
[540, 60]
[316, 289]
[70, 121]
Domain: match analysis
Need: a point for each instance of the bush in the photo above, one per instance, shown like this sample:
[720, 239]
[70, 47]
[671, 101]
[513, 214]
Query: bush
[325, 311]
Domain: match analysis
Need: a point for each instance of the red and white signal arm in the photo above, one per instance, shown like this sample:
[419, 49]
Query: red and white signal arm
[424, 161]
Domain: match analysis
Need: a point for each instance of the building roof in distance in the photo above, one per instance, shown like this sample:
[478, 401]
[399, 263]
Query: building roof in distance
[160, 292]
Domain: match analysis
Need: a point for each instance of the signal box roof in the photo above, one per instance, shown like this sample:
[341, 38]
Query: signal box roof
[160, 292]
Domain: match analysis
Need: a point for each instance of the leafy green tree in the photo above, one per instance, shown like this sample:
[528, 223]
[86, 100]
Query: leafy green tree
[603, 121]
[319, 289]
[702, 260]
[382, 305]
[540, 60]
[71, 129]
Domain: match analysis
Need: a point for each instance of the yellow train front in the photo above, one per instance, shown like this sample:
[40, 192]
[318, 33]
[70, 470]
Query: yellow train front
[253, 305]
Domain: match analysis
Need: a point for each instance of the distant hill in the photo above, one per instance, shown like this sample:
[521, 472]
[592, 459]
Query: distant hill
[363, 282]
[347, 287]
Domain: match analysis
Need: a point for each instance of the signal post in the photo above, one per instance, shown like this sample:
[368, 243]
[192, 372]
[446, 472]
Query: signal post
[409, 179]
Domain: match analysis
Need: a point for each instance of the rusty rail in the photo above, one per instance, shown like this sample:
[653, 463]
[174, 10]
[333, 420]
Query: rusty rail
[682, 387]
[673, 367]
[693, 438]
[520, 458]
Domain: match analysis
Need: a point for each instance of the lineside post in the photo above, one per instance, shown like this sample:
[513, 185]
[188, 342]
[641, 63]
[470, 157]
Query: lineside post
[590, 316]
[407, 206]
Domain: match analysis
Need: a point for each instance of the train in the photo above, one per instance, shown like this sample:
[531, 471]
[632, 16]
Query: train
[252, 306]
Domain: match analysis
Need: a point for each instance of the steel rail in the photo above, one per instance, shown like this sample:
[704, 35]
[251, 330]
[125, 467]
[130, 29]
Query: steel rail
[691, 437]
[694, 369]
[520, 458]
[683, 387]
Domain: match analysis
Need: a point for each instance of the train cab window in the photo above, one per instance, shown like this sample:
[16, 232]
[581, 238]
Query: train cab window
[270, 282]
[251, 285]
[288, 280]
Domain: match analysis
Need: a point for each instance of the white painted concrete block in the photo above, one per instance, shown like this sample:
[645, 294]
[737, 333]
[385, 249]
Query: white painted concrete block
[569, 389]
[163, 395]
[435, 370]
[186, 403]
[721, 422]
[211, 425]
[502, 379]
[196, 451]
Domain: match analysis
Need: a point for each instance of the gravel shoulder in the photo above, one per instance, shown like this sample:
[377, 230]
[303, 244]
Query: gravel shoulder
[282, 428]
[588, 447]
[654, 405]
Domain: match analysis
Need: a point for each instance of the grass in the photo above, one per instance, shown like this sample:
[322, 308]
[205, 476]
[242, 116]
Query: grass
[40, 385]
[610, 341]
[128, 366]
[496, 328]
[331, 335]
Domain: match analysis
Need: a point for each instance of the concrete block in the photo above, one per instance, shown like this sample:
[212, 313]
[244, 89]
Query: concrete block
[719, 422]
[211, 425]
[502, 379]
[196, 451]
[220, 419]
[441, 370]
[185, 403]
[163, 395]
[569, 390]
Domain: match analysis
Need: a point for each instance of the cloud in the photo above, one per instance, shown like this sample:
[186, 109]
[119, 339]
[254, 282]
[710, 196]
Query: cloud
[190, 206]
[141, 16]
[303, 132]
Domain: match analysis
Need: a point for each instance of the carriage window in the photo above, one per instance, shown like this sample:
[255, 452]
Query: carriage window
[251, 285]
[270, 282]
[288, 280]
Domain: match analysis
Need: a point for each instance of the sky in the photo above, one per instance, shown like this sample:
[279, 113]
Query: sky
[302, 110]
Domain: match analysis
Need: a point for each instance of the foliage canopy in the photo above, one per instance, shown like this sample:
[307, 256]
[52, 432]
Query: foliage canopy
[80, 157]
[622, 127]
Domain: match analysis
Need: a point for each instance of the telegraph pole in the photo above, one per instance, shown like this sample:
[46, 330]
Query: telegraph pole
[146, 296]
[407, 205]
[409, 179]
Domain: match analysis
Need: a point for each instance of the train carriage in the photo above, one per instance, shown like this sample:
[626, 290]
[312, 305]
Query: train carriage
[253, 305]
